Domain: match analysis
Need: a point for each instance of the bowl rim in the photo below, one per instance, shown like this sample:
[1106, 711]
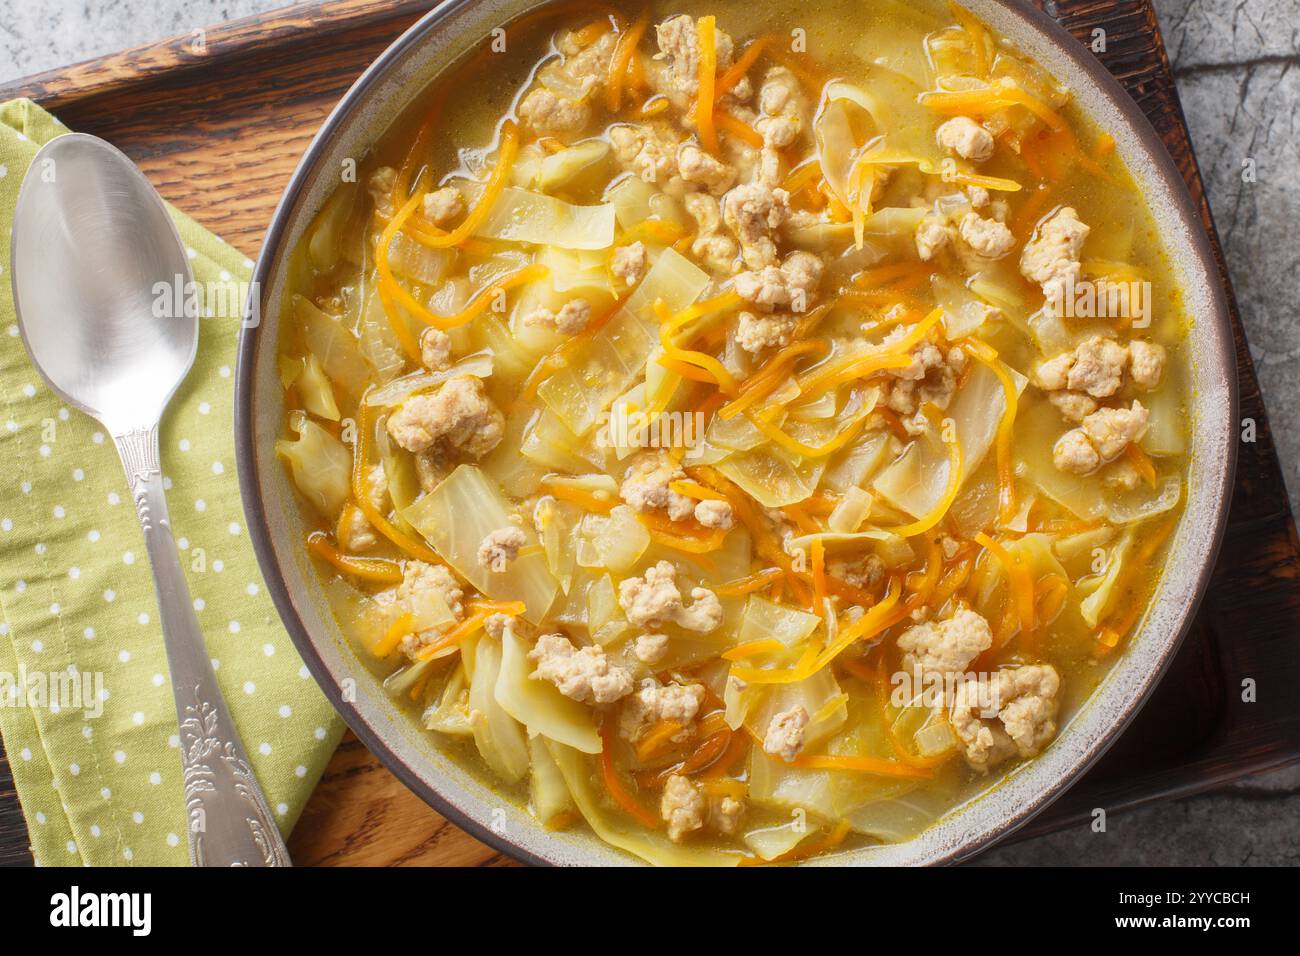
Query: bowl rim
[1202, 259]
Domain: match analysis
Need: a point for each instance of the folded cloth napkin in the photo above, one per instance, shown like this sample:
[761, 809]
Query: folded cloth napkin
[86, 706]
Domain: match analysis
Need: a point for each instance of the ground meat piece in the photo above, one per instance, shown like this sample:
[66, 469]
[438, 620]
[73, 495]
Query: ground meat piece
[861, 573]
[1074, 453]
[715, 249]
[979, 197]
[443, 205]
[1146, 363]
[1074, 406]
[587, 66]
[418, 578]
[1025, 721]
[1053, 373]
[1098, 367]
[930, 379]
[551, 115]
[629, 262]
[725, 815]
[645, 487]
[584, 674]
[932, 234]
[654, 702]
[1111, 429]
[655, 599]
[697, 166]
[380, 186]
[679, 49]
[793, 284]
[358, 534]
[965, 138]
[755, 333]
[1051, 258]
[945, 647]
[781, 101]
[682, 806]
[435, 349]
[570, 320]
[498, 548]
[988, 237]
[714, 514]
[753, 212]
[650, 648]
[785, 733]
[648, 151]
[458, 416]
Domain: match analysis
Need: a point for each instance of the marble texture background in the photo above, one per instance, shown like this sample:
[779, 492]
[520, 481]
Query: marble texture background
[1236, 67]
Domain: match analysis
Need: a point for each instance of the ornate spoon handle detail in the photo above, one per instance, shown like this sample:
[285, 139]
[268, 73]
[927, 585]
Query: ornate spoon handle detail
[229, 823]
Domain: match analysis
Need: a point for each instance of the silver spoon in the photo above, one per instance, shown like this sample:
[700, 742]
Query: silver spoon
[92, 246]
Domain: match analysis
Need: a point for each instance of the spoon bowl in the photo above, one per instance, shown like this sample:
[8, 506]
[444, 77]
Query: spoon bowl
[93, 241]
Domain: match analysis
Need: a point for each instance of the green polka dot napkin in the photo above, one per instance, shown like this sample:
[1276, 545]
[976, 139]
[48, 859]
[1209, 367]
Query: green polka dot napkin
[86, 706]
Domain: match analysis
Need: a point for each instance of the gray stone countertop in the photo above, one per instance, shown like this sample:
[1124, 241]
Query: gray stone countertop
[1236, 69]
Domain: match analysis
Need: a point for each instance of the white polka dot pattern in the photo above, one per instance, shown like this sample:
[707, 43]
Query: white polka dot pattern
[97, 772]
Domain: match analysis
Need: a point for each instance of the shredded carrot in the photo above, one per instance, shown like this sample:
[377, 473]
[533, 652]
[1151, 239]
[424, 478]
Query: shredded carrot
[769, 376]
[671, 535]
[614, 785]
[739, 129]
[977, 34]
[877, 619]
[1142, 462]
[1049, 595]
[846, 434]
[860, 365]
[693, 489]
[378, 570]
[654, 106]
[657, 739]
[410, 546]
[580, 497]
[711, 749]
[401, 626]
[763, 645]
[818, 560]
[749, 584]
[873, 765]
[672, 324]
[1020, 583]
[624, 51]
[491, 190]
[742, 65]
[706, 36]
[480, 611]
[387, 287]
[585, 36]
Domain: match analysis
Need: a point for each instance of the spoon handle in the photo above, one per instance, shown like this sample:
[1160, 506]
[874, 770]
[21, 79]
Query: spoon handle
[229, 823]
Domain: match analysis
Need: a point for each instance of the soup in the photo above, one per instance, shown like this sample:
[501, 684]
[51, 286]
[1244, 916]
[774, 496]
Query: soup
[733, 433]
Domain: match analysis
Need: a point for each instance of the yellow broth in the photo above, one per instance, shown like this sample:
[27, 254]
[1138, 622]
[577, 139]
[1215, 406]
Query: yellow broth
[822, 505]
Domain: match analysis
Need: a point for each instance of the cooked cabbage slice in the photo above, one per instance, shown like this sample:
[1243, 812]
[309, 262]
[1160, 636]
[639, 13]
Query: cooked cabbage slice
[772, 476]
[450, 715]
[653, 846]
[1097, 603]
[771, 842]
[455, 518]
[320, 465]
[548, 794]
[316, 391]
[617, 353]
[767, 620]
[559, 169]
[334, 345]
[916, 482]
[399, 389]
[537, 704]
[614, 541]
[520, 215]
[499, 737]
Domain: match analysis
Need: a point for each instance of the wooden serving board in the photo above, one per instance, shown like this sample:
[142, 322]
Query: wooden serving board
[219, 127]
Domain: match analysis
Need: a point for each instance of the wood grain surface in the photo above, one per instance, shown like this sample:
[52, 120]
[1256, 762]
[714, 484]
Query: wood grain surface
[218, 126]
